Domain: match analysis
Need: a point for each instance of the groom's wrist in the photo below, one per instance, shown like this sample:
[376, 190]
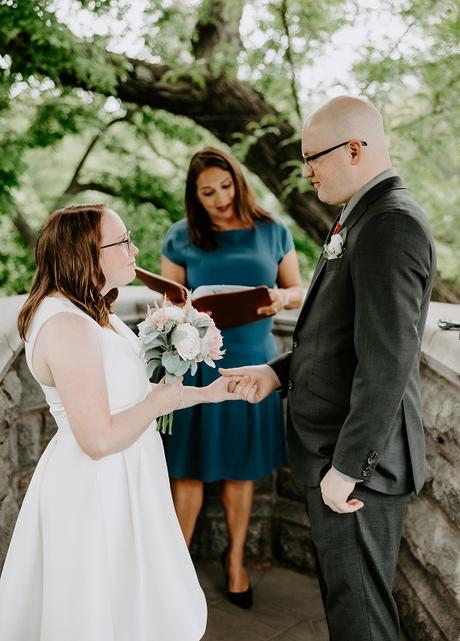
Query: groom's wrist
[274, 376]
[345, 477]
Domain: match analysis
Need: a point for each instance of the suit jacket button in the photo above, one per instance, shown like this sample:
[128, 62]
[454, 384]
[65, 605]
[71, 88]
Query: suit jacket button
[290, 385]
[295, 343]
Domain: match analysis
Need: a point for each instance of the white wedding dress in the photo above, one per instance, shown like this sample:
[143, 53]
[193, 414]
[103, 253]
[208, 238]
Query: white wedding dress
[97, 553]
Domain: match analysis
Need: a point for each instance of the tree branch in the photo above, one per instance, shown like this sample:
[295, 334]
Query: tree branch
[144, 134]
[73, 186]
[295, 96]
[26, 232]
[77, 188]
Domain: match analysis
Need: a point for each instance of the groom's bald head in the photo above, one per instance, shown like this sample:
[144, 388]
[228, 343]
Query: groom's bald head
[347, 117]
[343, 119]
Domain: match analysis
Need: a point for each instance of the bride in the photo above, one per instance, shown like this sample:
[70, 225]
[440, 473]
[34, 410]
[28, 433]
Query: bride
[97, 553]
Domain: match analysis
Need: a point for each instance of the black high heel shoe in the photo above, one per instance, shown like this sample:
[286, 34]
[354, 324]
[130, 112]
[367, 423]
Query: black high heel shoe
[240, 599]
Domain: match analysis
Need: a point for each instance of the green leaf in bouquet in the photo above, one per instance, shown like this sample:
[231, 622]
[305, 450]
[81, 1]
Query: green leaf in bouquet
[153, 354]
[202, 331]
[152, 365]
[151, 337]
[201, 322]
[170, 378]
[204, 349]
[193, 368]
[155, 343]
[170, 362]
[169, 326]
[183, 367]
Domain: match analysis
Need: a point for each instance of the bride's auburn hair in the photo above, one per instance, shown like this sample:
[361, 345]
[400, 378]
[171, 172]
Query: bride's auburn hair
[67, 260]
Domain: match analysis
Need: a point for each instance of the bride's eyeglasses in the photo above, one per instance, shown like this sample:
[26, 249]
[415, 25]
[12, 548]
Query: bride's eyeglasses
[128, 241]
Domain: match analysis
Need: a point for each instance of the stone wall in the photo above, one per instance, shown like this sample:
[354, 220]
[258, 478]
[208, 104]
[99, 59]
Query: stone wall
[428, 581]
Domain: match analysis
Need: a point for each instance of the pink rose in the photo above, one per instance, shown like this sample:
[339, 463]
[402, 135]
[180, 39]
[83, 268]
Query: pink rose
[214, 342]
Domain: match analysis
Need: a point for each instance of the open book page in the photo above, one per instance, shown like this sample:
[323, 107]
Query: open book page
[207, 290]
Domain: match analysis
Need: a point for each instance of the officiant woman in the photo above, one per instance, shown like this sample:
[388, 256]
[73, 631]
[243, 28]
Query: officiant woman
[226, 238]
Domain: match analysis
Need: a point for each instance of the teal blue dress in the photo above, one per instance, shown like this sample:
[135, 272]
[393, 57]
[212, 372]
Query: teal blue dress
[232, 440]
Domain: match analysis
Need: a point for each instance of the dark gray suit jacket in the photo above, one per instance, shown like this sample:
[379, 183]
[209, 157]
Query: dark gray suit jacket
[352, 377]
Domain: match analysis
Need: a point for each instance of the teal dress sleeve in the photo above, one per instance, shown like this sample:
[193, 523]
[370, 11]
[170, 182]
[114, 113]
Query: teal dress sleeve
[175, 244]
[284, 241]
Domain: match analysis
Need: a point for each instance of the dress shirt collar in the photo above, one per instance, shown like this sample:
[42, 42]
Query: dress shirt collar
[388, 173]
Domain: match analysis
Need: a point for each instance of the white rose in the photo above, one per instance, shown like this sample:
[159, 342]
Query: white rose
[174, 313]
[186, 340]
[334, 247]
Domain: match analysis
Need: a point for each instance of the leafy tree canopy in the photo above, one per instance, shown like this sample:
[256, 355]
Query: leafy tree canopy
[100, 100]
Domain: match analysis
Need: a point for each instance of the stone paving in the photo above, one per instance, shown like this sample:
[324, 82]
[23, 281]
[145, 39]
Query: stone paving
[287, 607]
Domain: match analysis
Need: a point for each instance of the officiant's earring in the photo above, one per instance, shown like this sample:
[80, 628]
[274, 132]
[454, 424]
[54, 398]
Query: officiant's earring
[240, 599]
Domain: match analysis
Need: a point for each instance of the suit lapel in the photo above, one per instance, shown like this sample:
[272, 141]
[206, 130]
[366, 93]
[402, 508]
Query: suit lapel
[369, 197]
[318, 270]
[353, 217]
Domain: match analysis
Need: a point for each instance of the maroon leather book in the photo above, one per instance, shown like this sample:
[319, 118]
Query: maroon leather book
[175, 292]
[228, 309]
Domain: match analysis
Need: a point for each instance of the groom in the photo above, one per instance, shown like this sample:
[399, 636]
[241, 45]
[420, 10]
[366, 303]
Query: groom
[355, 432]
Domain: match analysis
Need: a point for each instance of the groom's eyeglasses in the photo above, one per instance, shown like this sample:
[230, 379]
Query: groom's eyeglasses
[128, 241]
[307, 160]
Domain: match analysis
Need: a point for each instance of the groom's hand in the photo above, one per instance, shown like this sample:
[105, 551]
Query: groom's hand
[265, 380]
[335, 492]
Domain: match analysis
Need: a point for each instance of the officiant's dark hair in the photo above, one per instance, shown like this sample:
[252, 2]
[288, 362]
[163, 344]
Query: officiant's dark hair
[245, 206]
[67, 259]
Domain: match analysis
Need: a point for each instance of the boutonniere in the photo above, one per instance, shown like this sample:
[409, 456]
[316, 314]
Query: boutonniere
[336, 245]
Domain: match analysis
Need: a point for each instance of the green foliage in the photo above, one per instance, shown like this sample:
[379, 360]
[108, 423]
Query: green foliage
[138, 156]
[38, 44]
[17, 263]
[416, 84]
[310, 24]
[168, 30]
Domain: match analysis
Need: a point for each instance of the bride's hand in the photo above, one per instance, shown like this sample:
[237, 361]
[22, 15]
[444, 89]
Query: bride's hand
[167, 397]
[229, 388]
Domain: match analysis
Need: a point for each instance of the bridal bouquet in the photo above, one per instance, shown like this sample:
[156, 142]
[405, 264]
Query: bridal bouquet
[178, 338]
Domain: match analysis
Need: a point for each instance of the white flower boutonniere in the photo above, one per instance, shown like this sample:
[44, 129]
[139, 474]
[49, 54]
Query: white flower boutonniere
[336, 245]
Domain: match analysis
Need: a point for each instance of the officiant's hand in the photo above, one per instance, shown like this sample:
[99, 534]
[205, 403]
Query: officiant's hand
[278, 297]
[335, 492]
[266, 381]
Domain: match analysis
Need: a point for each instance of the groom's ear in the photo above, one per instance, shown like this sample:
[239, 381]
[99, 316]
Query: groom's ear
[355, 151]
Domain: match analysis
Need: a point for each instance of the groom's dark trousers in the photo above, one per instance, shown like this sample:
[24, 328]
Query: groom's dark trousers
[352, 382]
[357, 555]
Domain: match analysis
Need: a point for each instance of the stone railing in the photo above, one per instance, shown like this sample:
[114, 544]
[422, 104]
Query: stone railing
[428, 581]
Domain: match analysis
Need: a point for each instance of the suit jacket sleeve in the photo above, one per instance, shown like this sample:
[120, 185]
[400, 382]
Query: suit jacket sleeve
[281, 365]
[391, 270]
